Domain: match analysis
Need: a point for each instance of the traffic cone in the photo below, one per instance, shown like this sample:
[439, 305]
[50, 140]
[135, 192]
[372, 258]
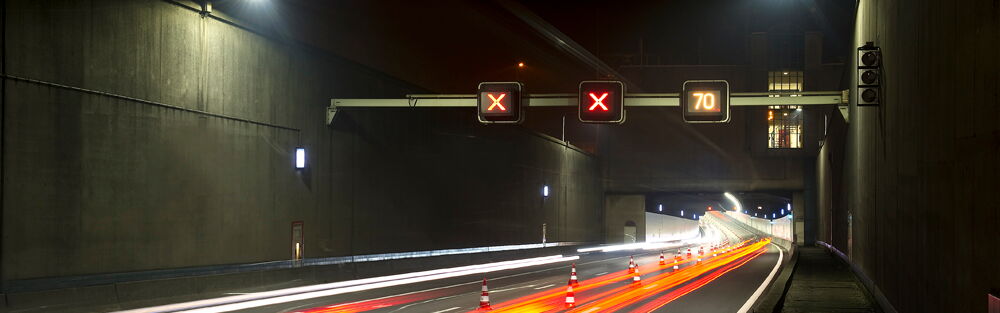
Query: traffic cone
[631, 265]
[662, 260]
[635, 276]
[572, 276]
[484, 299]
[570, 299]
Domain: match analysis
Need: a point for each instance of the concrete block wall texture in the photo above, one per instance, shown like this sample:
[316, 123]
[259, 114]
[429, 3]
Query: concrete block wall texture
[660, 227]
[920, 178]
[97, 184]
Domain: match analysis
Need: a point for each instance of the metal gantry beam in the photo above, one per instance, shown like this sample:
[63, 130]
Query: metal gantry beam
[570, 100]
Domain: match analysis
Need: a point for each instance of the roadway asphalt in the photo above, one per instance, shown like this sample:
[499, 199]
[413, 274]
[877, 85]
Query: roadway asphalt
[725, 293]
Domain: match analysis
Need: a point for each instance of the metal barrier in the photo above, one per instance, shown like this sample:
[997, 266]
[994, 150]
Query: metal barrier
[37, 284]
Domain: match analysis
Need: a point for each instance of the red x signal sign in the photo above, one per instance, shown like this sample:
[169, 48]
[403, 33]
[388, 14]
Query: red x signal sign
[496, 102]
[602, 102]
[500, 102]
[598, 102]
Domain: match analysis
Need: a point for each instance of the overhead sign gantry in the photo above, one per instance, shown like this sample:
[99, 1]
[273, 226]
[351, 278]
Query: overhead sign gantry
[704, 102]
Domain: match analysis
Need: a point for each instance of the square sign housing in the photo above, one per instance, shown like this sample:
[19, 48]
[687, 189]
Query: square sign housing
[705, 101]
[500, 102]
[601, 102]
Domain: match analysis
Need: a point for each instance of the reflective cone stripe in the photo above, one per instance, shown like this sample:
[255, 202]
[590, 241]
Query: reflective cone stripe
[572, 276]
[570, 299]
[631, 265]
[662, 260]
[635, 276]
[484, 299]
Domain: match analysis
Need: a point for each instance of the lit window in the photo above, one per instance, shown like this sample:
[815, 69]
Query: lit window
[784, 127]
[784, 81]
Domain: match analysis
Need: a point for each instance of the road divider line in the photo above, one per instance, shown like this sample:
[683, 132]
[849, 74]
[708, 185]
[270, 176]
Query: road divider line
[546, 286]
[348, 285]
[446, 310]
[760, 290]
[337, 291]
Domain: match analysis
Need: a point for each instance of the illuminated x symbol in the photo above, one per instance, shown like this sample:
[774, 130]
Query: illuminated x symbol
[598, 102]
[496, 102]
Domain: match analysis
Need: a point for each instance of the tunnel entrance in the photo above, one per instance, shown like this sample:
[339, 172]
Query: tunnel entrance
[630, 232]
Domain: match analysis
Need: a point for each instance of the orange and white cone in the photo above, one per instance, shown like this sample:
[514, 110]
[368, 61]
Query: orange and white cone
[484, 299]
[570, 299]
[662, 260]
[631, 265]
[636, 279]
[572, 276]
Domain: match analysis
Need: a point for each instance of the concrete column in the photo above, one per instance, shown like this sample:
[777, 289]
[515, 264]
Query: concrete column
[798, 215]
[620, 209]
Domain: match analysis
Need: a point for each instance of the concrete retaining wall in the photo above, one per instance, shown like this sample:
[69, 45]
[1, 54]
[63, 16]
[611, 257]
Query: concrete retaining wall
[661, 227]
[147, 136]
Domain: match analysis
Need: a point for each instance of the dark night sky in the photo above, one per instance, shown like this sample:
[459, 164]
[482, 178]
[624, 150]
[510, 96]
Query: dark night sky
[448, 46]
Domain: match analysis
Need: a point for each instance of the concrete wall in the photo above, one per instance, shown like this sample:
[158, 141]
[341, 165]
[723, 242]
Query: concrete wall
[920, 177]
[96, 183]
[778, 228]
[661, 227]
[620, 209]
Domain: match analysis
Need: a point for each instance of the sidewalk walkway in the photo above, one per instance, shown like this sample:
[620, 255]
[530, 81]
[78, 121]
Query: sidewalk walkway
[822, 283]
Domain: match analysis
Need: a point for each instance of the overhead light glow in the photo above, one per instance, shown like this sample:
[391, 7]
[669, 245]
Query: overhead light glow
[735, 201]
[545, 191]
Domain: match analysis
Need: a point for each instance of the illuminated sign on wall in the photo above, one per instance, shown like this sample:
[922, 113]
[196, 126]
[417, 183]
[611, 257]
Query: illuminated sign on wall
[501, 102]
[601, 102]
[705, 101]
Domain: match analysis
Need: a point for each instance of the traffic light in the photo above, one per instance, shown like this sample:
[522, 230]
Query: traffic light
[705, 101]
[869, 75]
[501, 102]
[601, 102]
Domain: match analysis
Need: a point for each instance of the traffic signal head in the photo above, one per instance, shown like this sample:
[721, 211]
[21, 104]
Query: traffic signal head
[501, 102]
[705, 101]
[601, 102]
[869, 75]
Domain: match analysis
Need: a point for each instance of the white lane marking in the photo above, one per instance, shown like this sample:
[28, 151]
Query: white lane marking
[546, 286]
[760, 290]
[513, 288]
[336, 291]
[446, 310]
[591, 309]
[239, 293]
[601, 273]
[651, 286]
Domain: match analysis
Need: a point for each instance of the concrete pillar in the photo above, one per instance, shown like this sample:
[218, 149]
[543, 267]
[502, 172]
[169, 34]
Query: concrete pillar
[798, 216]
[758, 62]
[620, 209]
[813, 59]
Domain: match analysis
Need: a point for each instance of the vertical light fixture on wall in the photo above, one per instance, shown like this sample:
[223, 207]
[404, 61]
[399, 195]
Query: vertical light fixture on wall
[659, 207]
[300, 158]
[545, 191]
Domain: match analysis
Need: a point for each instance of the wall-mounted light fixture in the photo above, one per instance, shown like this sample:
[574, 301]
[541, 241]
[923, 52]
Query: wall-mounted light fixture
[545, 191]
[300, 158]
